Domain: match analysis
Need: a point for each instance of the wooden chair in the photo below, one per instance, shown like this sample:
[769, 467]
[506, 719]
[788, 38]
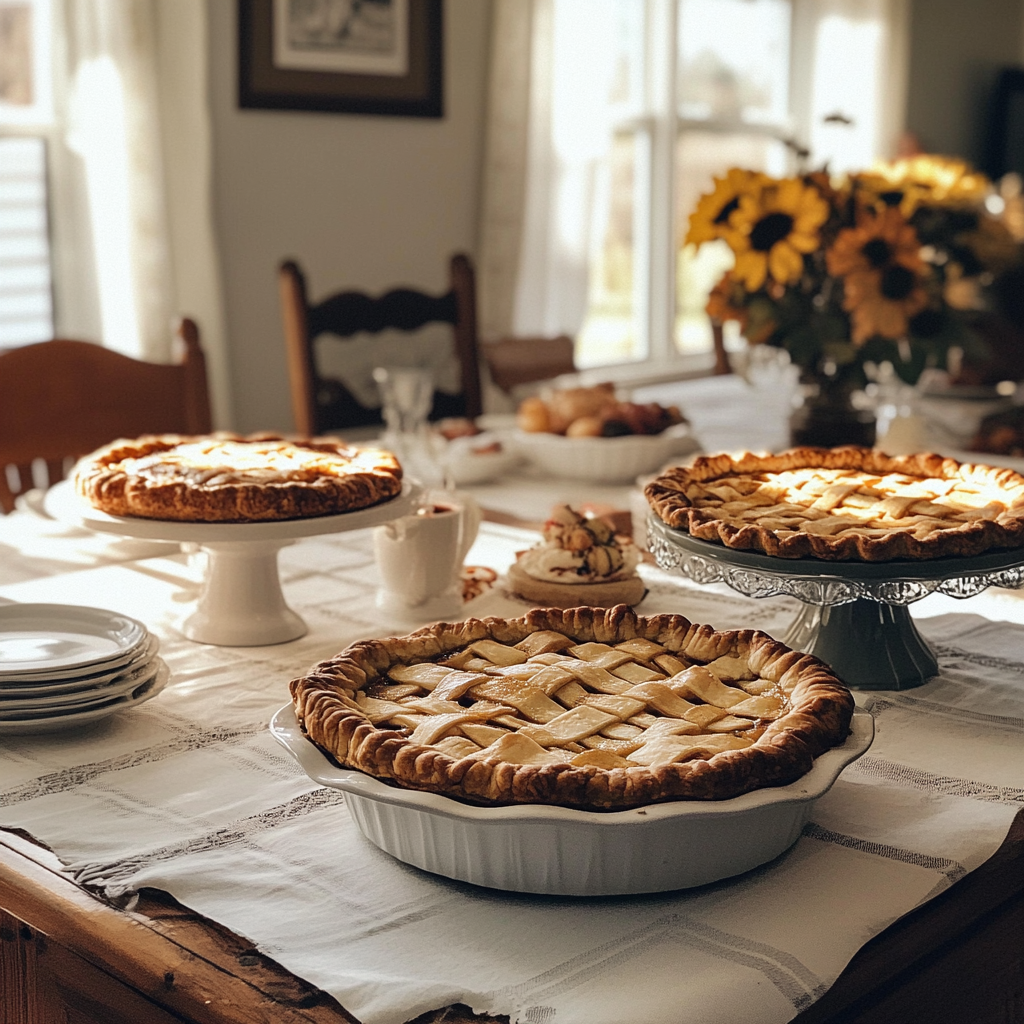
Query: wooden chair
[322, 404]
[62, 399]
[515, 361]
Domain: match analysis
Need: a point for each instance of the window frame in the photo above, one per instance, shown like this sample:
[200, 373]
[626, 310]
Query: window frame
[656, 130]
[41, 121]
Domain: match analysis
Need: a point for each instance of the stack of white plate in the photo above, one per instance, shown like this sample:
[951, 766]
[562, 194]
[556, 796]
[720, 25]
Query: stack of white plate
[63, 666]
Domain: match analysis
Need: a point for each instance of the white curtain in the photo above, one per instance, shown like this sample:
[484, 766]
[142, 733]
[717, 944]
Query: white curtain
[851, 60]
[548, 129]
[135, 245]
[504, 175]
[114, 126]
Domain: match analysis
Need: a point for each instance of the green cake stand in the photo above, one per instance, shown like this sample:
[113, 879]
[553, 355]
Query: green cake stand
[855, 614]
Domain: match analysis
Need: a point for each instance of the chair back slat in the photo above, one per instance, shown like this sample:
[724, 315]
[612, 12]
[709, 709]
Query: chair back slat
[54, 471]
[7, 496]
[323, 403]
[401, 309]
[526, 360]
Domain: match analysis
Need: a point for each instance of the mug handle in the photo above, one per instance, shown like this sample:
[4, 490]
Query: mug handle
[469, 523]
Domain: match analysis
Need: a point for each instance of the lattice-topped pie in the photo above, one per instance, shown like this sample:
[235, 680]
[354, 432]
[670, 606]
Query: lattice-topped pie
[588, 708]
[844, 504]
[227, 478]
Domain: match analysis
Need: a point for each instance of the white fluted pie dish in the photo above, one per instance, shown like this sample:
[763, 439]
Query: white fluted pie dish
[562, 851]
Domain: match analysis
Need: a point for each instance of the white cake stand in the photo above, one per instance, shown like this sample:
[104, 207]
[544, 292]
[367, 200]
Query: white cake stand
[241, 603]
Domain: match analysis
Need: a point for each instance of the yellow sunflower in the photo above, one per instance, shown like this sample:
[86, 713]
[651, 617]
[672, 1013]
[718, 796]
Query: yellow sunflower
[881, 267]
[710, 218]
[771, 230]
[878, 240]
[925, 180]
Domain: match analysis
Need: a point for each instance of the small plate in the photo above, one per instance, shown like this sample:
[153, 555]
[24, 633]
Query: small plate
[13, 705]
[562, 851]
[37, 639]
[40, 684]
[468, 461]
[58, 722]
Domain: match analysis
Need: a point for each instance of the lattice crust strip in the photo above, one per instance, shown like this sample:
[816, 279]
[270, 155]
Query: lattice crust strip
[847, 503]
[586, 707]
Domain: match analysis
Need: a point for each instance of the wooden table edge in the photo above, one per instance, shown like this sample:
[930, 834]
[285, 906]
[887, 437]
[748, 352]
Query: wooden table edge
[144, 953]
[909, 942]
[196, 968]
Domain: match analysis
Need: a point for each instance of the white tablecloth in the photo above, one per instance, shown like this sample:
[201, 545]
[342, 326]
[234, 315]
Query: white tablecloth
[190, 794]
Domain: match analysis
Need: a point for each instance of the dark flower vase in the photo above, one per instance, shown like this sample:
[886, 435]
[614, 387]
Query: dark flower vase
[827, 418]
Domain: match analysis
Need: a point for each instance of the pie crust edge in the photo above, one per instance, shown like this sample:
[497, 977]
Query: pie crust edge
[666, 496]
[818, 719]
[114, 492]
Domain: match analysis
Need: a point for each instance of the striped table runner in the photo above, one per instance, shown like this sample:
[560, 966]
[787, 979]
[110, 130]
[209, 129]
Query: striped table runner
[189, 794]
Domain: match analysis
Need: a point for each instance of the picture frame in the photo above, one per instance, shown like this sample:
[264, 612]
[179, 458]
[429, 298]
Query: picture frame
[379, 57]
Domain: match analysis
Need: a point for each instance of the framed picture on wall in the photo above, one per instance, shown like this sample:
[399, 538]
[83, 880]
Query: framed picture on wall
[347, 56]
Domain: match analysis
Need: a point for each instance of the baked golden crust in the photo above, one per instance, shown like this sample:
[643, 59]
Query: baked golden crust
[226, 478]
[604, 594]
[806, 711]
[844, 504]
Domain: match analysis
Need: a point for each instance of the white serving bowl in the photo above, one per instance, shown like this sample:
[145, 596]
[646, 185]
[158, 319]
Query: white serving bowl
[560, 851]
[606, 460]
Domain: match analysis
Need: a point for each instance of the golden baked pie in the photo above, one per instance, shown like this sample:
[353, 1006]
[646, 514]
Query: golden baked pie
[844, 504]
[587, 708]
[228, 478]
[581, 561]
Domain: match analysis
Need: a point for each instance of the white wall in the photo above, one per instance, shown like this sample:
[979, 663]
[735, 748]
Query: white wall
[361, 202]
[956, 49]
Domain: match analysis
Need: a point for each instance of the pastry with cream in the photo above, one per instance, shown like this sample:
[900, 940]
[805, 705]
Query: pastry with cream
[581, 561]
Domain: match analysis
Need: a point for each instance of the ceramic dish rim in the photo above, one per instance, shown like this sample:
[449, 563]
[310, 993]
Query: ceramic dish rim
[134, 631]
[814, 784]
[69, 681]
[121, 684]
[58, 723]
[65, 505]
[542, 438]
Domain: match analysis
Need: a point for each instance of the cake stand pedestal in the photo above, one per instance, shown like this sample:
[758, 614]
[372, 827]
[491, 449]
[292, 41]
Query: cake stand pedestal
[855, 614]
[241, 603]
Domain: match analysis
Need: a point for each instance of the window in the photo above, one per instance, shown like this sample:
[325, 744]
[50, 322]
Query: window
[649, 100]
[26, 126]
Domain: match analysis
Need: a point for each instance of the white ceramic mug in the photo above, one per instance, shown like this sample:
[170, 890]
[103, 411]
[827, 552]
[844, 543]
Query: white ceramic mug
[420, 556]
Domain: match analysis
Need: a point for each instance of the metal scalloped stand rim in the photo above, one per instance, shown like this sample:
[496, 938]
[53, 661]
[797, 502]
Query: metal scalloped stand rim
[821, 582]
[923, 569]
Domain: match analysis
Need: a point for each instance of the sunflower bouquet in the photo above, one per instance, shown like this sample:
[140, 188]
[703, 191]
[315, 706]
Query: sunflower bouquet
[893, 264]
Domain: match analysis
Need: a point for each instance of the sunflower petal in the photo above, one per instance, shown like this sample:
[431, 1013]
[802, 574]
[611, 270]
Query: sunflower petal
[751, 269]
[803, 242]
[785, 263]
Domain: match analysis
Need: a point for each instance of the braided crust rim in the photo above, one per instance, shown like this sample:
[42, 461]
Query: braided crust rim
[818, 719]
[101, 480]
[666, 495]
